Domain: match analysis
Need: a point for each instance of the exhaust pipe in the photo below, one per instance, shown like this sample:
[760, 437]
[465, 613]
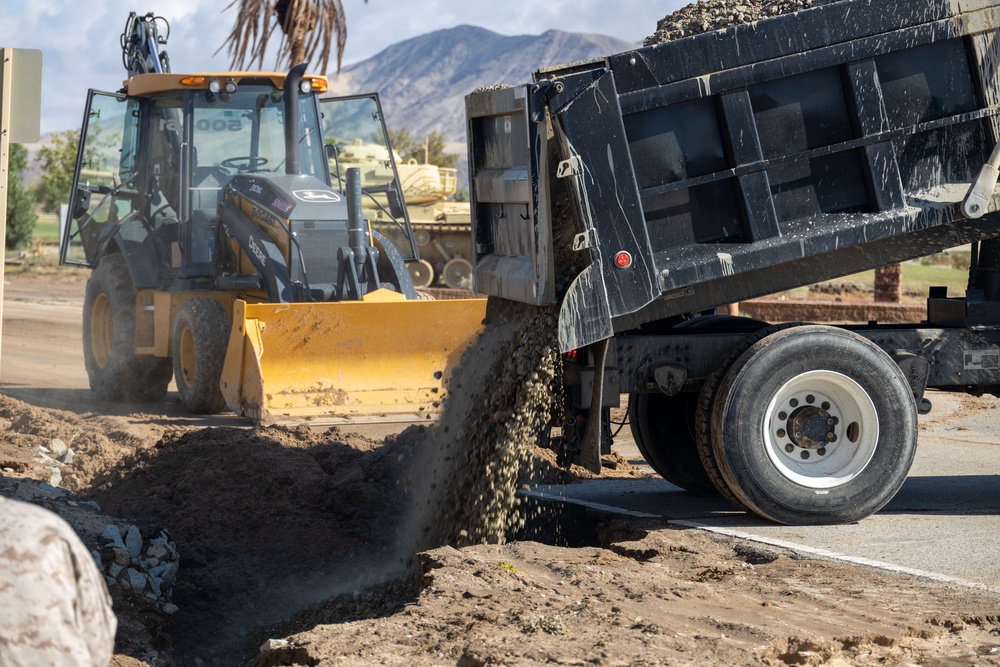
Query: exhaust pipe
[292, 118]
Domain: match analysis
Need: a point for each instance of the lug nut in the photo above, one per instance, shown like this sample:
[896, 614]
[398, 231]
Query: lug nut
[825, 405]
[789, 448]
[780, 433]
[804, 455]
[821, 451]
[794, 402]
[810, 399]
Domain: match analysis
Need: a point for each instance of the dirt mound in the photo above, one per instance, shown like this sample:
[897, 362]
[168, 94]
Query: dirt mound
[643, 598]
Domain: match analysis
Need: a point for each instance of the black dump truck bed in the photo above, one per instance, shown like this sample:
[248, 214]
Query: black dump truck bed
[715, 168]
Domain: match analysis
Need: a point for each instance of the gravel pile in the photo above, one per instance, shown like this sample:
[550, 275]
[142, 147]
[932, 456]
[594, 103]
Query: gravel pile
[709, 15]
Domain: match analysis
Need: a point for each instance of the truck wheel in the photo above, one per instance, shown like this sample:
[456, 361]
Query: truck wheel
[814, 425]
[115, 371]
[201, 334]
[663, 430]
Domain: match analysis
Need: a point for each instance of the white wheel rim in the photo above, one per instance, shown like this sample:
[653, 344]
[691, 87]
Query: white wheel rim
[821, 429]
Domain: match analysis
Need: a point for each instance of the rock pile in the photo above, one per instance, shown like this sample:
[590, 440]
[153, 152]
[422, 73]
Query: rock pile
[709, 15]
[139, 566]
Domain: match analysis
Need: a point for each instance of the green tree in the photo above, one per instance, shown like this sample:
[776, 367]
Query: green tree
[428, 150]
[20, 216]
[58, 161]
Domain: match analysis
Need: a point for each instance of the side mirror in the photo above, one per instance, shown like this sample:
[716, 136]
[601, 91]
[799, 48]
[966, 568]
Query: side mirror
[396, 205]
[81, 202]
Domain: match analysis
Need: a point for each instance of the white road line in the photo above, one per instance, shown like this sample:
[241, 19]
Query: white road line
[783, 544]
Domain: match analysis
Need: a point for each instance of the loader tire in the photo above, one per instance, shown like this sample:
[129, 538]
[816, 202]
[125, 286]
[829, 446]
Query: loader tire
[813, 425]
[663, 428]
[200, 337]
[115, 371]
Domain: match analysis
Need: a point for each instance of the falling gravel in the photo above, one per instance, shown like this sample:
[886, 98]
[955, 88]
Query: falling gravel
[500, 399]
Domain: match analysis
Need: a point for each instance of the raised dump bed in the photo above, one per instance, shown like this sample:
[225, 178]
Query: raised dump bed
[737, 163]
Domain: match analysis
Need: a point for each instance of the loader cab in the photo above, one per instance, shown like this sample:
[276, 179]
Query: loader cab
[153, 161]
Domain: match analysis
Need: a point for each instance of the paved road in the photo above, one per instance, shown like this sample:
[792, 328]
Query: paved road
[945, 519]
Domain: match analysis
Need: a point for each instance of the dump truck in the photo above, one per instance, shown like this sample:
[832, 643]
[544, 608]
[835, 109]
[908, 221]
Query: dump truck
[228, 254]
[641, 192]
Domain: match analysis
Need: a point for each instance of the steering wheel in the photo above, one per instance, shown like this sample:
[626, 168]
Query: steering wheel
[244, 163]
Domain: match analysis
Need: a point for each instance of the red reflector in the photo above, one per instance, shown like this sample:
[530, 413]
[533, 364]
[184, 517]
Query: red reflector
[572, 356]
[623, 260]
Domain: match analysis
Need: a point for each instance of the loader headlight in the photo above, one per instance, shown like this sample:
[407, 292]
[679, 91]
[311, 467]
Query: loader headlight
[215, 85]
[230, 85]
[306, 86]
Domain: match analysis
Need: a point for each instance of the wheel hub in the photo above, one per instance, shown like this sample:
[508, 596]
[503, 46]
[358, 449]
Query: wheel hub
[807, 424]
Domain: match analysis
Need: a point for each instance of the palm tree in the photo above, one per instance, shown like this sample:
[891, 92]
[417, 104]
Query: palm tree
[307, 26]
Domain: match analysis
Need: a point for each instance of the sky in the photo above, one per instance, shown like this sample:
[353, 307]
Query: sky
[79, 39]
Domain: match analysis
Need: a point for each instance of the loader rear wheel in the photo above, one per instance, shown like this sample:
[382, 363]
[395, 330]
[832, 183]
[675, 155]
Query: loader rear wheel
[814, 425]
[663, 430]
[115, 371]
[201, 334]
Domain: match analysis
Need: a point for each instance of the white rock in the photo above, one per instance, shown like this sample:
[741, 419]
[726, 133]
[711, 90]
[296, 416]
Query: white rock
[272, 645]
[57, 447]
[157, 551]
[137, 580]
[170, 608]
[113, 536]
[68, 457]
[133, 541]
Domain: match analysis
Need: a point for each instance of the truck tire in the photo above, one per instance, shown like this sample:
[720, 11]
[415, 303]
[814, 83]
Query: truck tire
[663, 428]
[200, 338]
[115, 371]
[813, 425]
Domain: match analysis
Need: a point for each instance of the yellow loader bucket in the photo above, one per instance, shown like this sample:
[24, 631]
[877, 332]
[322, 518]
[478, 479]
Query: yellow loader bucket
[380, 359]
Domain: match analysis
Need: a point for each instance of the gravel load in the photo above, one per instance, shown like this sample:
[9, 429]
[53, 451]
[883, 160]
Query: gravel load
[709, 15]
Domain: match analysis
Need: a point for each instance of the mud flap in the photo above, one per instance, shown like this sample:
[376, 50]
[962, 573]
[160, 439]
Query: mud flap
[382, 359]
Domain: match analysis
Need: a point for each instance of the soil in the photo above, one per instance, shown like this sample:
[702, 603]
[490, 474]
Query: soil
[289, 552]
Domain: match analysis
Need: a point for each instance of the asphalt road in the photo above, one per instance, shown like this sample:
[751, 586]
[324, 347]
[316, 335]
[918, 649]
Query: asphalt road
[945, 521]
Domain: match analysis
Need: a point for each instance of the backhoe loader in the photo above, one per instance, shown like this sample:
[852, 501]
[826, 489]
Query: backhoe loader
[232, 250]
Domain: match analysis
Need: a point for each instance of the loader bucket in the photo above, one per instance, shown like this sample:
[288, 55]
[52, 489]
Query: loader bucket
[382, 359]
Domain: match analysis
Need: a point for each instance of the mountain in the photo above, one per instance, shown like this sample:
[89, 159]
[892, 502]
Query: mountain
[423, 81]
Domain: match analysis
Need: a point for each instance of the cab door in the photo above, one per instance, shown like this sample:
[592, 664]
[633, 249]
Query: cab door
[104, 194]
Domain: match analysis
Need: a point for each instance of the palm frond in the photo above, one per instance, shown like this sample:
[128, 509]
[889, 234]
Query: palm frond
[308, 27]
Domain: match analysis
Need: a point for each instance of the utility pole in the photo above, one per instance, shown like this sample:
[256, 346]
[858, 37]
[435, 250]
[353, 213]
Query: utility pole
[20, 114]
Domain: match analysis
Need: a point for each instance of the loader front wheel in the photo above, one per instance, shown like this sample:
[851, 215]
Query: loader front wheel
[663, 428]
[115, 371]
[200, 337]
[813, 425]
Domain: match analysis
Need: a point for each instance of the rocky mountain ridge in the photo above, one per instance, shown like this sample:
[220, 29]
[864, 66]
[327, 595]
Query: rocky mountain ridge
[423, 81]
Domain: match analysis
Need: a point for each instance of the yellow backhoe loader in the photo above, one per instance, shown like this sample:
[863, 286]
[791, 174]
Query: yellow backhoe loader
[232, 250]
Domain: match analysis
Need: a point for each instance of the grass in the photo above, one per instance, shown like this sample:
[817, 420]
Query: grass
[917, 278]
[47, 229]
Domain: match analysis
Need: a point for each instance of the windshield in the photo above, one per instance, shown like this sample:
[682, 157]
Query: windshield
[245, 132]
[354, 129]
